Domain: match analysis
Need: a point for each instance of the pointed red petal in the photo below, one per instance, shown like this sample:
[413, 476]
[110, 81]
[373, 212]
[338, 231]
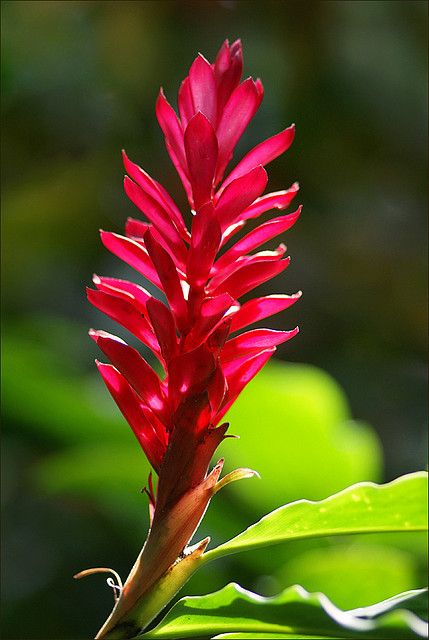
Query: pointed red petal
[253, 342]
[222, 61]
[134, 367]
[123, 289]
[277, 200]
[255, 238]
[231, 231]
[239, 110]
[203, 88]
[212, 313]
[185, 102]
[176, 215]
[239, 263]
[163, 323]
[172, 129]
[262, 154]
[182, 175]
[132, 253]
[239, 195]
[201, 154]
[228, 68]
[158, 216]
[125, 313]
[169, 278]
[136, 229]
[190, 374]
[159, 427]
[249, 276]
[260, 308]
[129, 404]
[156, 191]
[217, 338]
[205, 241]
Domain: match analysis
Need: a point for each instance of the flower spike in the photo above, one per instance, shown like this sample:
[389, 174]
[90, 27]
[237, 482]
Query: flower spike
[177, 416]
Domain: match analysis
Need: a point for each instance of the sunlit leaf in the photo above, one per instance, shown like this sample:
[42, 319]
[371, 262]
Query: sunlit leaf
[362, 508]
[295, 611]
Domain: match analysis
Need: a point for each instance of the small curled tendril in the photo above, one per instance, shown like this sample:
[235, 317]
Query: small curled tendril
[116, 586]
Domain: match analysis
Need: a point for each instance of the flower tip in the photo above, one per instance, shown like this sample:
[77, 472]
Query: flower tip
[202, 57]
[259, 87]
[124, 156]
[161, 98]
[296, 214]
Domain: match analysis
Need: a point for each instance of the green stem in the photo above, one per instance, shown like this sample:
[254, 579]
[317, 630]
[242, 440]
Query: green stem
[158, 596]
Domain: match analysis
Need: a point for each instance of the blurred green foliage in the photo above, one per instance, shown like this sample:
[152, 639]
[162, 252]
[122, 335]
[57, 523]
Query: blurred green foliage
[79, 82]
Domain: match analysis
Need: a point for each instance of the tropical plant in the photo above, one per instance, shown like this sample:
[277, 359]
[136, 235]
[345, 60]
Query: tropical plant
[195, 333]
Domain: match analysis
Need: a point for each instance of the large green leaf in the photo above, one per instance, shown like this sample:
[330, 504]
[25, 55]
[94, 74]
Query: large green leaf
[295, 611]
[362, 508]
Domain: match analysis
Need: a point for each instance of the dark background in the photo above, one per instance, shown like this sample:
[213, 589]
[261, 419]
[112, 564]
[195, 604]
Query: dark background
[80, 81]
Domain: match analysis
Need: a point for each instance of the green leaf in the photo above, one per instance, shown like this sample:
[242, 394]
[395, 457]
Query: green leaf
[362, 508]
[267, 636]
[233, 610]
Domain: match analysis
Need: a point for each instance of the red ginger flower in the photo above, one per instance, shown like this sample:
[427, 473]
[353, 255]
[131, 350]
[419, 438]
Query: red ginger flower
[176, 418]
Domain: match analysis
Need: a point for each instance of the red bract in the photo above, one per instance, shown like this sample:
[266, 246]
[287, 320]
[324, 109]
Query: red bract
[176, 417]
